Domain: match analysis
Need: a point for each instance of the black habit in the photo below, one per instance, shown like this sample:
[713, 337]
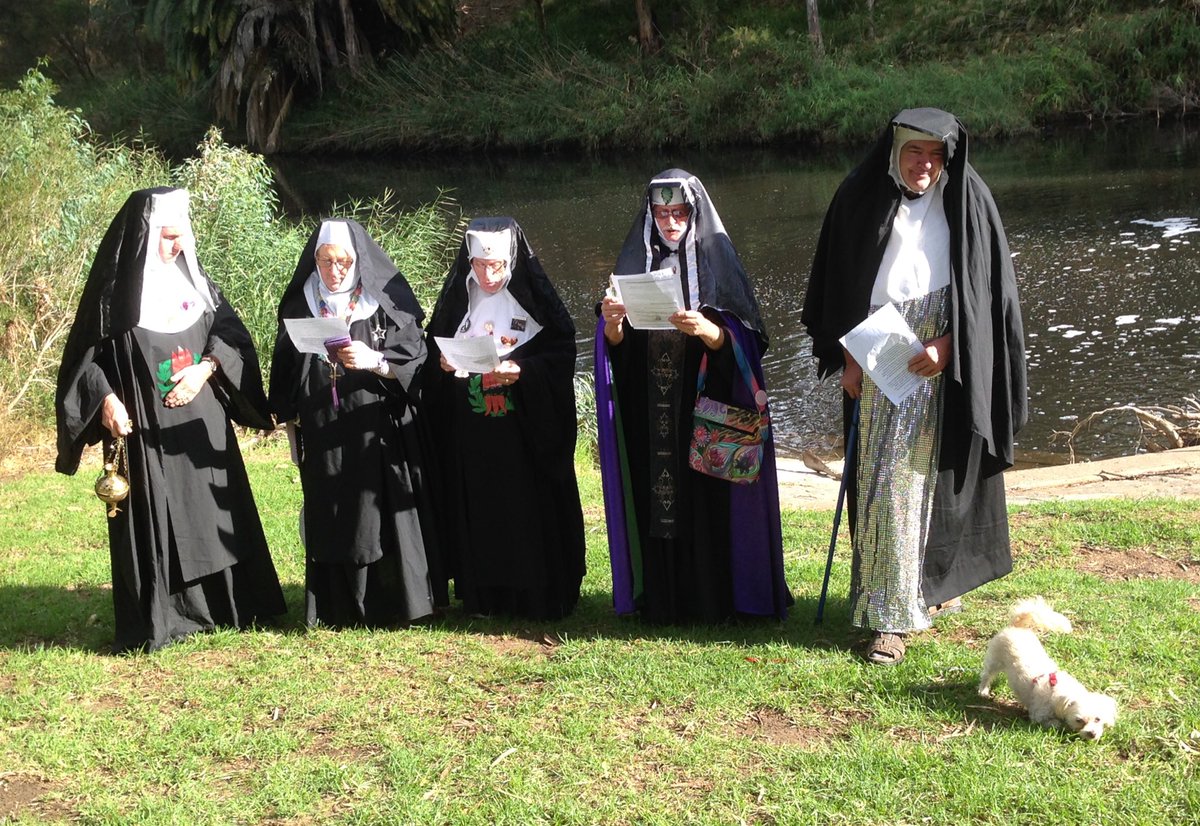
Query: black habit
[985, 401]
[513, 515]
[371, 557]
[685, 547]
[188, 551]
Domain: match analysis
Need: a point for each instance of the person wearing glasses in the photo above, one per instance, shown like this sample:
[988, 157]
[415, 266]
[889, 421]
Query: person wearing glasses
[157, 357]
[354, 419]
[506, 437]
[685, 547]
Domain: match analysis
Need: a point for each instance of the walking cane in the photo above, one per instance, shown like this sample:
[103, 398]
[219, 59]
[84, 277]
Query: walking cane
[837, 514]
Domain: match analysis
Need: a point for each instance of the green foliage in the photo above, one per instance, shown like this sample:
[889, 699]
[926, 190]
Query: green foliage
[520, 96]
[59, 190]
[262, 54]
[79, 37]
[58, 193]
[730, 74]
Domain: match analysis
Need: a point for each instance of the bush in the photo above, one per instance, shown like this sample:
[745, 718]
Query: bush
[58, 193]
[60, 188]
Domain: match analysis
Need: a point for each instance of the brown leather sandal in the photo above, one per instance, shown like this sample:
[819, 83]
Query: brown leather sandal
[885, 648]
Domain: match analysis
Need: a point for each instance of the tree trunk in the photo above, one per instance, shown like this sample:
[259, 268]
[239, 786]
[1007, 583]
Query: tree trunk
[647, 36]
[539, 12]
[814, 28]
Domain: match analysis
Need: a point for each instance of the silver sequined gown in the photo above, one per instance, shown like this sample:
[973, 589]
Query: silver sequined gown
[897, 471]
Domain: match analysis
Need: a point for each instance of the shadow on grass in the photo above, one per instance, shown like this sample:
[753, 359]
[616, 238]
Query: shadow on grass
[81, 619]
[33, 617]
[594, 619]
[961, 698]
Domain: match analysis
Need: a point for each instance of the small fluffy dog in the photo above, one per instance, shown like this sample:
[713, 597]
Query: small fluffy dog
[1054, 698]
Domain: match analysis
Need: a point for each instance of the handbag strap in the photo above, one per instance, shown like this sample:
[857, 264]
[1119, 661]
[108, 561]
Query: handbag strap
[743, 366]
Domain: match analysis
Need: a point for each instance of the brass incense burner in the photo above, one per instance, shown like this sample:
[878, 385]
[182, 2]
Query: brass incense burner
[112, 487]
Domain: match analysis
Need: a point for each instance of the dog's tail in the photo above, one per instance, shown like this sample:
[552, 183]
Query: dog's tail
[1034, 613]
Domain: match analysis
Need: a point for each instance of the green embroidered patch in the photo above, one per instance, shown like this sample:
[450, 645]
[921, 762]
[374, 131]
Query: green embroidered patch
[494, 402]
[181, 358]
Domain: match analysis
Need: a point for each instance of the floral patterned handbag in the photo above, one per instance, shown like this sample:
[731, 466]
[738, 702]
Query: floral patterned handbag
[727, 441]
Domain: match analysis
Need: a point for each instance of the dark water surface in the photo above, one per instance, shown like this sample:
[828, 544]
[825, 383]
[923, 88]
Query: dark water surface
[1105, 226]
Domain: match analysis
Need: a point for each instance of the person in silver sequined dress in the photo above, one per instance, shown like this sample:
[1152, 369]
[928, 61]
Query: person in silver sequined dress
[915, 225]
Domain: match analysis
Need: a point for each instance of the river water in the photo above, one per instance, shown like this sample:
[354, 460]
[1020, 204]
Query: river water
[1105, 227]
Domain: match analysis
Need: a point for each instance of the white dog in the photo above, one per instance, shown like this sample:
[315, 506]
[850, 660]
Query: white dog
[1053, 697]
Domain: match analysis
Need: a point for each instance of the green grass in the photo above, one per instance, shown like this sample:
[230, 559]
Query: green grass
[606, 720]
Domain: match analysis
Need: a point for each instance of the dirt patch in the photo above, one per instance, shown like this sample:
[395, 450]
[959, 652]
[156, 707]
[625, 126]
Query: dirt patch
[773, 726]
[324, 744]
[25, 796]
[1136, 563]
[530, 645]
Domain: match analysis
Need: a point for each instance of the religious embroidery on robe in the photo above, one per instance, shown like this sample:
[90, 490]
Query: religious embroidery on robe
[487, 396]
[665, 354]
[181, 357]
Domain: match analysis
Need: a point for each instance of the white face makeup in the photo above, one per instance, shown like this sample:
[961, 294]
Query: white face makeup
[490, 272]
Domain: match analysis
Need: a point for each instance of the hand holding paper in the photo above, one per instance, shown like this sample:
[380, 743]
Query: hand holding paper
[649, 298]
[470, 355]
[883, 344]
[309, 335]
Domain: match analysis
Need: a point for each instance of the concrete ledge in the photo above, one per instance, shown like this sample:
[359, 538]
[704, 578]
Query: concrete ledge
[1170, 474]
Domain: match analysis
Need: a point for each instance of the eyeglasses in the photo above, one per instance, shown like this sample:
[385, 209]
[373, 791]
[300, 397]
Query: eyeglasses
[679, 213]
[342, 263]
[484, 265]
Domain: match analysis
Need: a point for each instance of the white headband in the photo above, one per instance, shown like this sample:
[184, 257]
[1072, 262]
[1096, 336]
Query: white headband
[335, 232]
[170, 209]
[491, 246]
[666, 195]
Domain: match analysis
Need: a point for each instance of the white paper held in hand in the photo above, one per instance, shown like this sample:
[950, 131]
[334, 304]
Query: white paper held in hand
[650, 298]
[883, 344]
[471, 355]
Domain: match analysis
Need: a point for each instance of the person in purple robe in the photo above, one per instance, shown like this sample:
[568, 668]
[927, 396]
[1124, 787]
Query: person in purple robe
[685, 547]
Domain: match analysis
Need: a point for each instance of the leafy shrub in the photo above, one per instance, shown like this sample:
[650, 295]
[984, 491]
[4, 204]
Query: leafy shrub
[60, 188]
[58, 193]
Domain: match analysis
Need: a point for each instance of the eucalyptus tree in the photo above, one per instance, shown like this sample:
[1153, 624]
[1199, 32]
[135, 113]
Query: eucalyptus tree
[261, 56]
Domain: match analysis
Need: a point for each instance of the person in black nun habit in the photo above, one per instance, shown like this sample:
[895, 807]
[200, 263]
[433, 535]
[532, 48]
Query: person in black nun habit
[507, 437]
[916, 226]
[684, 547]
[371, 555]
[158, 356]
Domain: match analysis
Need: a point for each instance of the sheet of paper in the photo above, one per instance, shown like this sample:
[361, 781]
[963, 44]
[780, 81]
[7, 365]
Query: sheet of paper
[472, 355]
[883, 344]
[650, 298]
[309, 334]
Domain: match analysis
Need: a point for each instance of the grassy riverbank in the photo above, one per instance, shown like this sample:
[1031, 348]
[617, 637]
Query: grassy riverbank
[729, 72]
[593, 719]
